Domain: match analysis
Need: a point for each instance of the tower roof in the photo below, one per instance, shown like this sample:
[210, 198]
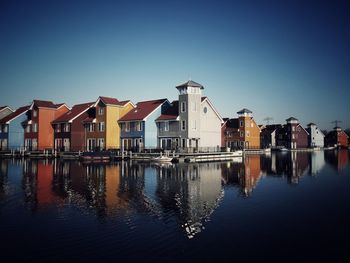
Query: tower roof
[190, 83]
[244, 110]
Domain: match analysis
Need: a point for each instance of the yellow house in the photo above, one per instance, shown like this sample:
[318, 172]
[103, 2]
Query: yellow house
[101, 127]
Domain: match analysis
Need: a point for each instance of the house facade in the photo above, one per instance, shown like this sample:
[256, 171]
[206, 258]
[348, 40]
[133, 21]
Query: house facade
[102, 131]
[292, 135]
[138, 128]
[69, 132]
[316, 136]
[268, 135]
[242, 132]
[4, 111]
[191, 122]
[337, 138]
[38, 131]
[11, 130]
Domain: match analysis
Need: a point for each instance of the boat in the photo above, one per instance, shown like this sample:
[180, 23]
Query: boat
[162, 159]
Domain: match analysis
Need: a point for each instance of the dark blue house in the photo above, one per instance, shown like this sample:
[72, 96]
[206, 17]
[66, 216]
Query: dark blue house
[138, 127]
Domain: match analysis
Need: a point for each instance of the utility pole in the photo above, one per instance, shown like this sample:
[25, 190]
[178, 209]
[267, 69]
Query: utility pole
[336, 122]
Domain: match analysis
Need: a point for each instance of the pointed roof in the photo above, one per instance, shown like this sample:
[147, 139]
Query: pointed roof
[44, 104]
[15, 114]
[171, 113]
[75, 112]
[292, 119]
[143, 110]
[244, 110]
[190, 83]
[111, 101]
[232, 123]
[5, 107]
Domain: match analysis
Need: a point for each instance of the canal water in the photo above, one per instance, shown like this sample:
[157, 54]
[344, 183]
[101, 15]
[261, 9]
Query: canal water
[280, 207]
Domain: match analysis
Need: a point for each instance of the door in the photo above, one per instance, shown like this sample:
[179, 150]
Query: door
[66, 144]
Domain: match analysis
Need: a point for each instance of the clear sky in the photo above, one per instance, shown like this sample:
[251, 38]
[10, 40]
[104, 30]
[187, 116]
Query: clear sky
[276, 58]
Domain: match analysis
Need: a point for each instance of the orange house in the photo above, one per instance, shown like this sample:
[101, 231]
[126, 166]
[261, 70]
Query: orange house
[38, 131]
[242, 132]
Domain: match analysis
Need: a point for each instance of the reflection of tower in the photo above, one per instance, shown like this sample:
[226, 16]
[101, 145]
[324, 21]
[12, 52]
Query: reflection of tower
[252, 173]
[297, 166]
[191, 191]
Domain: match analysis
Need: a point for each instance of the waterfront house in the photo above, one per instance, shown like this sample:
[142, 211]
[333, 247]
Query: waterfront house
[292, 135]
[38, 131]
[11, 130]
[337, 138]
[69, 132]
[191, 122]
[4, 111]
[102, 130]
[138, 128]
[268, 135]
[242, 132]
[316, 136]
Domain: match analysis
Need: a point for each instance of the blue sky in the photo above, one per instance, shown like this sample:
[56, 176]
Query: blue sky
[277, 58]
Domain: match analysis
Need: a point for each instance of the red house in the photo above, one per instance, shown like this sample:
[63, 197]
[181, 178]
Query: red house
[337, 138]
[292, 135]
[69, 131]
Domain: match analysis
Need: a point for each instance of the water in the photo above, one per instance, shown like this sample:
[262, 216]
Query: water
[282, 207]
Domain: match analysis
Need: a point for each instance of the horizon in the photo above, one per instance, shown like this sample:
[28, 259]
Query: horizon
[276, 59]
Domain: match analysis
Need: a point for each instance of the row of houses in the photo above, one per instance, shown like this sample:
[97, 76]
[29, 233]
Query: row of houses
[244, 132]
[191, 122]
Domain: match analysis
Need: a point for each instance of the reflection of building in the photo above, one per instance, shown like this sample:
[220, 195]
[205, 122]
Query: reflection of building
[297, 166]
[339, 159]
[243, 175]
[317, 162]
[37, 183]
[3, 178]
[192, 191]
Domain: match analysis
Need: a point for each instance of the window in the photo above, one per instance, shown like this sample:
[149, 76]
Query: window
[242, 134]
[205, 110]
[183, 125]
[35, 127]
[183, 106]
[139, 126]
[101, 111]
[127, 126]
[166, 126]
[252, 124]
[183, 142]
[66, 127]
[28, 129]
[35, 113]
[58, 128]
[240, 123]
[101, 126]
[293, 136]
[293, 128]
[248, 133]
[91, 127]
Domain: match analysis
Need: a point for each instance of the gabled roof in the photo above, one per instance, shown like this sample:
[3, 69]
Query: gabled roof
[75, 112]
[212, 106]
[244, 110]
[171, 113]
[5, 107]
[14, 115]
[190, 83]
[43, 104]
[143, 110]
[111, 101]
